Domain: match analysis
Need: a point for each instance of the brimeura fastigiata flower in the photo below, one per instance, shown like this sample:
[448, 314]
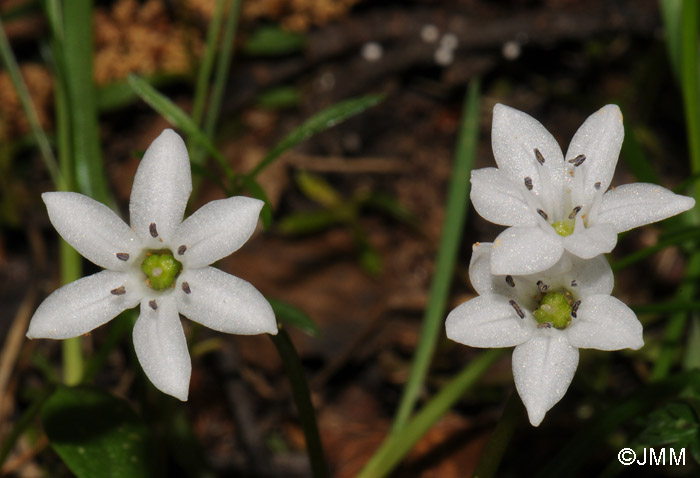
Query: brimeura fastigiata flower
[547, 316]
[553, 202]
[160, 262]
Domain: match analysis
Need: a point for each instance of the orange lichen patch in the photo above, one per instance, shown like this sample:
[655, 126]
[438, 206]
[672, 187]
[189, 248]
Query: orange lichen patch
[13, 122]
[141, 38]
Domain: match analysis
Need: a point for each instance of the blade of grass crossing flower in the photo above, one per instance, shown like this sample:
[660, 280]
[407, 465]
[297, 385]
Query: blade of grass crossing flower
[396, 446]
[177, 117]
[302, 399]
[456, 211]
[80, 88]
[207, 63]
[319, 122]
[10, 62]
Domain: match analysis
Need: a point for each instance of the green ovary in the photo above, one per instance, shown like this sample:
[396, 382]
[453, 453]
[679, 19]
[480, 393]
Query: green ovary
[564, 228]
[555, 309]
[161, 269]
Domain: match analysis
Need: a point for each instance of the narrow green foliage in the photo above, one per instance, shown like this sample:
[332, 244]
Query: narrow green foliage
[271, 40]
[77, 70]
[671, 15]
[23, 423]
[97, 434]
[8, 59]
[636, 159]
[455, 215]
[302, 399]
[258, 192]
[280, 98]
[317, 123]
[491, 458]
[397, 445]
[290, 315]
[177, 117]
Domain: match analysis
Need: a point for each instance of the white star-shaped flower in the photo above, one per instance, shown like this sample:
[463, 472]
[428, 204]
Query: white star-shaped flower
[554, 202]
[160, 262]
[547, 316]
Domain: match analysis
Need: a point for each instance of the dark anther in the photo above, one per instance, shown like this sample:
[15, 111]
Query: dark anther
[181, 250]
[543, 214]
[517, 308]
[574, 283]
[542, 286]
[544, 325]
[574, 308]
[597, 186]
[528, 183]
[186, 288]
[578, 160]
[118, 291]
[152, 304]
[574, 212]
[152, 229]
[509, 281]
[122, 256]
[538, 155]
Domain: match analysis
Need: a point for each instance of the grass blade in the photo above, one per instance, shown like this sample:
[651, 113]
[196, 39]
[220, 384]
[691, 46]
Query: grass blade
[319, 122]
[457, 200]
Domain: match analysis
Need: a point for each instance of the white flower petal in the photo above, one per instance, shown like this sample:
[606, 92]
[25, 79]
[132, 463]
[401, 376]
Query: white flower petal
[162, 185]
[634, 205]
[161, 347]
[543, 368]
[525, 250]
[605, 323]
[514, 137]
[224, 302]
[590, 277]
[487, 321]
[93, 229]
[83, 305]
[599, 138]
[216, 230]
[480, 275]
[589, 242]
[497, 199]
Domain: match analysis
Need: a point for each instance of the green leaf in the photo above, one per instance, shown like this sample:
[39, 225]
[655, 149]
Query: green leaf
[273, 41]
[318, 189]
[280, 98]
[319, 122]
[291, 315]
[674, 424]
[307, 222]
[97, 434]
[177, 117]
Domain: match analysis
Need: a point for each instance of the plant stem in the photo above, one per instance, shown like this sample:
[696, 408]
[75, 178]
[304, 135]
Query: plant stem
[302, 398]
[456, 211]
[397, 445]
[498, 443]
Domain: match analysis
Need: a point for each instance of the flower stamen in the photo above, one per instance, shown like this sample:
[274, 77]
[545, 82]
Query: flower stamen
[597, 186]
[542, 287]
[574, 308]
[152, 229]
[118, 291]
[122, 256]
[528, 183]
[538, 155]
[517, 308]
[152, 304]
[574, 212]
[578, 160]
[509, 281]
[181, 250]
[543, 214]
[186, 288]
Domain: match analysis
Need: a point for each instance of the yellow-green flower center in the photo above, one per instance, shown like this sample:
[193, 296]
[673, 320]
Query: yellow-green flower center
[555, 309]
[564, 228]
[161, 269]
